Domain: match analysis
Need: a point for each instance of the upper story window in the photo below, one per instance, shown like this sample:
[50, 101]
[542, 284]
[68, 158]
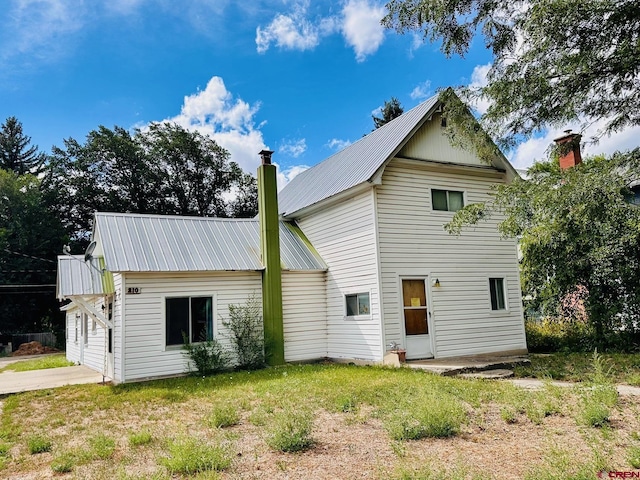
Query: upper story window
[447, 200]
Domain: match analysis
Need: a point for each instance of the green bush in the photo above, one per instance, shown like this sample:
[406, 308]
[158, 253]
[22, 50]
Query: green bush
[290, 431]
[556, 334]
[189, 456]
[224, 416]
[38, 444]
[247, 333]
[435, 417]
[208, 356]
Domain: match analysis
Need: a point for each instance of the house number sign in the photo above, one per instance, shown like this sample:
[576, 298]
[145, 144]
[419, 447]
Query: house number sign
[133, 290]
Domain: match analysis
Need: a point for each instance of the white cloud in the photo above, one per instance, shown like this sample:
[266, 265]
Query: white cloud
[478, 81]
[421, 91]
[288, 174]
[228, 120]
[361, 27]
[358, 22]
[38, 27]
[293, 148]
[292, 31]
[337, 144]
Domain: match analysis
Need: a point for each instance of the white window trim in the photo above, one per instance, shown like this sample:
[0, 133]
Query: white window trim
[163, 313]
[505, 286]
[356, 292]
[446, 189]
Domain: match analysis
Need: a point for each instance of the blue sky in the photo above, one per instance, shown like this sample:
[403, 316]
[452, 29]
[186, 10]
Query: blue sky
[299, 77]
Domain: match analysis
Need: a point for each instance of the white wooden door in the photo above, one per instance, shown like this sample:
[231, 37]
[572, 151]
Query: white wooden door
[415, 314]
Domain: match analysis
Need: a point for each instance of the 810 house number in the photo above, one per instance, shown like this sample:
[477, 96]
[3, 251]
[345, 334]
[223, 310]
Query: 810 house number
[133, 290]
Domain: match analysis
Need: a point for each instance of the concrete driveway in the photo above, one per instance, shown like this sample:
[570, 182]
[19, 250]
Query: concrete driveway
[16, 382]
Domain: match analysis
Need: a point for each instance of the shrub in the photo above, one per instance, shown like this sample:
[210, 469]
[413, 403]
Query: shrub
[208, 356]
[247, 333]
[38, 444]
[224, 416]
[599, 396]
[291, 431]
[189, 456]
[140, 438]
[436, 417]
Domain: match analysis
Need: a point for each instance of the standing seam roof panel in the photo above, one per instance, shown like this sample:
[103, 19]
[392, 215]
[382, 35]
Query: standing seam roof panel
[353, 165]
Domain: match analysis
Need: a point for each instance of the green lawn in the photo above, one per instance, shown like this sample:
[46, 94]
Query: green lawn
[317, 421]
[49, 361]
[577, 367]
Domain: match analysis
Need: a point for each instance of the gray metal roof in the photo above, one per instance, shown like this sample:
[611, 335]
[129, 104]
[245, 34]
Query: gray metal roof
[353, 165]
[157, 243]
[79, 278]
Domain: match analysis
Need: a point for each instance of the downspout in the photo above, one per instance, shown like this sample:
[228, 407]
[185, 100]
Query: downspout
[270, 251]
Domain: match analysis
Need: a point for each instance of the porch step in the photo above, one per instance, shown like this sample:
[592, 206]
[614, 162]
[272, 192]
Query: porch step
[470, 364]
[495, 374]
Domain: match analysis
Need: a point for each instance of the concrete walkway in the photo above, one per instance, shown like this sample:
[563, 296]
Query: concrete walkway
[535, 384]
[16, 382]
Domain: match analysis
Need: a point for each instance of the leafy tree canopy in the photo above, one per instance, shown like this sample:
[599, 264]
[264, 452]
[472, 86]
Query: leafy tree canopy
[390, 110]
[578, 229]
[16, 154]
[31, 237]
[165, 170]
[554, 61]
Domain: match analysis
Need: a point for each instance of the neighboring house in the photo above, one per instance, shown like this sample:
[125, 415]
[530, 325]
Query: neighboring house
[364, 262]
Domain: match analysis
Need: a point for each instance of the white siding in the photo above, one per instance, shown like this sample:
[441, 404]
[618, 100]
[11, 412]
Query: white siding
[412, 242]
[145, 352]
[304, 308]
[429, 143]
[94, 347]
[72, 347]
[344, 235]
[118, 339]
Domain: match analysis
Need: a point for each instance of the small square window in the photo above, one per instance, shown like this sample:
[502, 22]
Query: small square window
[447, 200]
[496, 291]
[358, 304]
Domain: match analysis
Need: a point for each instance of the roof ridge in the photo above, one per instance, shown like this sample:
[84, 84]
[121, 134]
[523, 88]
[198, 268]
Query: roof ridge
[175, 217]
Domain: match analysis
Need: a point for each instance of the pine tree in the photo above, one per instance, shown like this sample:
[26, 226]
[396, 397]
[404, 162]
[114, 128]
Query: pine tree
[390, 110]
[16, 153]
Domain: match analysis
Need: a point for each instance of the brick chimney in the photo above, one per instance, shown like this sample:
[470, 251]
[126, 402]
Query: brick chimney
[569, 147]
[270, 250]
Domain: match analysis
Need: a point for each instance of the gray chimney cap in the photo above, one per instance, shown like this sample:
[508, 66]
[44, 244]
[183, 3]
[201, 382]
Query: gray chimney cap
[265, 155]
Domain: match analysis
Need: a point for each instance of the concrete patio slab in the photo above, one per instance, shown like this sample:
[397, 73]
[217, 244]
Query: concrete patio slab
[17, 382]
[469, 364]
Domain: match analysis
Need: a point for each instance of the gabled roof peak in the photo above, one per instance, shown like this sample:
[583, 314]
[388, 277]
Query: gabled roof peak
[355, 164]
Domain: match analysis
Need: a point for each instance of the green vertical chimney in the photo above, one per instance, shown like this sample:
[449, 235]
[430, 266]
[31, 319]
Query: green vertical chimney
[270, 250]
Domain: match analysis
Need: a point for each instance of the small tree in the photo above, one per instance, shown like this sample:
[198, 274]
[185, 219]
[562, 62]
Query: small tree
[578, 231]
[247, 333]
[390, 110]
[15, 153]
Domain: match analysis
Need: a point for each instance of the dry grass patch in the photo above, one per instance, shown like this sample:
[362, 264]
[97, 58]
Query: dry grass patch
[335, 421]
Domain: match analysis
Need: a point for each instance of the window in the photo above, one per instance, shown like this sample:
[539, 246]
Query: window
[446, 200]
[496, 291]
[191, 317]
[358, 304]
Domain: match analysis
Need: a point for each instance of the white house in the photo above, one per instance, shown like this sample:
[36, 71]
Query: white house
[364, 263]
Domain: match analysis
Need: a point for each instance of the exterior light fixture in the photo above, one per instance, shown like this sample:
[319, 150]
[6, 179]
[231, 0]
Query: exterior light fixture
[436, 283]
